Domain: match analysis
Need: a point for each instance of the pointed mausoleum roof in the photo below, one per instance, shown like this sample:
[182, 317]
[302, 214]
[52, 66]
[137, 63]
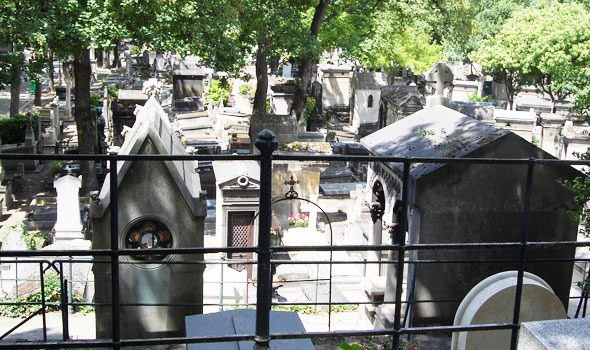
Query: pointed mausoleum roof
[436, 132]
[152, 124]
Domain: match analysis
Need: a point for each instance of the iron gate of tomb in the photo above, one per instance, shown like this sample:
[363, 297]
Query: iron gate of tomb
[292, 195]
[240, 235]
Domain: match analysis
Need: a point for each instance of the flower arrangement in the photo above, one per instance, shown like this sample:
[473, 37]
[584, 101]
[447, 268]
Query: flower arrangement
[299, 220]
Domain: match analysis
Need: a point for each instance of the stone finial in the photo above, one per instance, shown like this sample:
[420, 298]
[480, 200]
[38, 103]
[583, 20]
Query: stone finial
[266, 142]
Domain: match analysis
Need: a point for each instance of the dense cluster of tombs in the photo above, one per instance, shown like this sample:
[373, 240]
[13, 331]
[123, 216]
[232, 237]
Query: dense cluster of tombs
[189, 204]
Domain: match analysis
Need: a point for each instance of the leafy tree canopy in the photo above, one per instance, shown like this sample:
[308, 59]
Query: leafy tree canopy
[546, 45]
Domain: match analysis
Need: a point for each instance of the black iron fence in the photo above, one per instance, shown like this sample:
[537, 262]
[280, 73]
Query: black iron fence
[264, 252]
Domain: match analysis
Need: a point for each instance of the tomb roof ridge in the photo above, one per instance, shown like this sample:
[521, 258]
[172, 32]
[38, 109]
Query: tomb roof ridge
[438, 132]
[152, 123]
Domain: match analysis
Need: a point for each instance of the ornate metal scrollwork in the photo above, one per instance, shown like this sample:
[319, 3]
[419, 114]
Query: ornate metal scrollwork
[291, 193]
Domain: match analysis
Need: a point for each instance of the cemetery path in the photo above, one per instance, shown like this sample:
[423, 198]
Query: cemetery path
[82, 326]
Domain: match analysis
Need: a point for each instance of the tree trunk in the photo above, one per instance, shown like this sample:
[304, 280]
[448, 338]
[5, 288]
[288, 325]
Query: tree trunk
[306, 63]
[116, 59]
[38, 90]
[50, 71]
[259, 108]
[85, 120]
[509, 89]
[15, 85]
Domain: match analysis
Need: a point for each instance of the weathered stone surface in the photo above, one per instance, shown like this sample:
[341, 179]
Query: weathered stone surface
[555, 334]
[243, 322]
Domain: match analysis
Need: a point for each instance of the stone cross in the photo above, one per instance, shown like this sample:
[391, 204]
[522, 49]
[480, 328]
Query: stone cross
[439, 77]
[68, 225]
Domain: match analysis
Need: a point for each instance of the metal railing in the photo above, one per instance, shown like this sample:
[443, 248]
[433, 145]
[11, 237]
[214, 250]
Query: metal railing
[264, 250]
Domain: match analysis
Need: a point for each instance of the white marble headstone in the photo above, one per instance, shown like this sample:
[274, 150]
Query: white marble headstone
[68, 225]
[491, 301]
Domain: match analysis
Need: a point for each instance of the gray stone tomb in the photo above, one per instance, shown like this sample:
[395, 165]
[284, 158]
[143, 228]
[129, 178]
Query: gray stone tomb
[447, 206]
[160, 205]
[238, 196]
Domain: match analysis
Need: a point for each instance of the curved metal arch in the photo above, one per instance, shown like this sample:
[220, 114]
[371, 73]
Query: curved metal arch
[292, 195]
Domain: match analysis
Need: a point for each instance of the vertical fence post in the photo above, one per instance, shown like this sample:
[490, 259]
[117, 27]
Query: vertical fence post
[115, 303]
[43, 303]
[401, 241]
[65, 305]
[522, 255]
[63, 285]
[266, 144]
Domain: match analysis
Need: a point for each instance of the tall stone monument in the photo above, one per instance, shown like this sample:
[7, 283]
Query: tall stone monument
[68, 225]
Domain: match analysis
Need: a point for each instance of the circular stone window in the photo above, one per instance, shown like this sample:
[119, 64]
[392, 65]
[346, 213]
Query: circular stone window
[148, 234]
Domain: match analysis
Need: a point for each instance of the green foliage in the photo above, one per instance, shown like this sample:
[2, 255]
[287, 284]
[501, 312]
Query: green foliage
[113, 92]
[474, 97]
[34, 240]
[546, 46]
[352, 346]
[13, 129]
[580, 186]
[243, 90]
[311, 309]
[94, 99]
[57, 166]
[379, 343]
[309, 106]
[425, 132]
[303, 309]
[52, 298]
[389, 34]
[218, 89]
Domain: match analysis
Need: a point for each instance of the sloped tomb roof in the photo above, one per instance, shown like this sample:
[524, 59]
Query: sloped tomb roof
[152, 122]
[439, 132]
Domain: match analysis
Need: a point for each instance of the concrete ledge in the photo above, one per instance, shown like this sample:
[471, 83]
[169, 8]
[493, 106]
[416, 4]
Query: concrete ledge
[555, 334]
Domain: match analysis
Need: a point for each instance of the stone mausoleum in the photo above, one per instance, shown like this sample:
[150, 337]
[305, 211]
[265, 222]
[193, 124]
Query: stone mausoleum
[465, 203]
[160, 205]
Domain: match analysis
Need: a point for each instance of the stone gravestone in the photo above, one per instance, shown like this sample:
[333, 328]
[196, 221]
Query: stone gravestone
[128, 63]
[439, 77]
[491, 301]
[68, 225]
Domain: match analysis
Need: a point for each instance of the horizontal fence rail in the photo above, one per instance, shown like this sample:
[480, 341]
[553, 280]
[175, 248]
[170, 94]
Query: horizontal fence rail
[115, 257]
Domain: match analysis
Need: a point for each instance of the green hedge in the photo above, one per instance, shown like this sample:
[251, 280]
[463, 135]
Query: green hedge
[13, 129]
